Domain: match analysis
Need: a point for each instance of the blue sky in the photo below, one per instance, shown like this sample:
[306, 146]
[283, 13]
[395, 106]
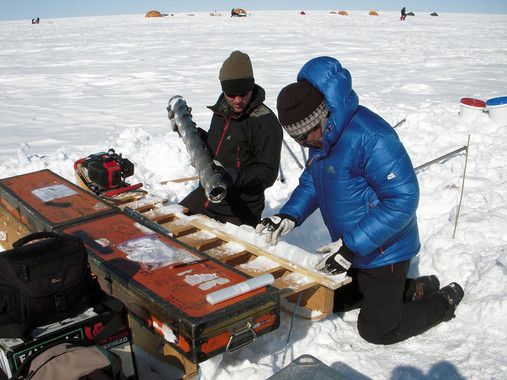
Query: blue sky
[28, 9]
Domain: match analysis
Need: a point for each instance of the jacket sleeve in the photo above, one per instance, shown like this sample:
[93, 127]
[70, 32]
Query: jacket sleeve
[262, 171]
[303, 200]
[389, 172]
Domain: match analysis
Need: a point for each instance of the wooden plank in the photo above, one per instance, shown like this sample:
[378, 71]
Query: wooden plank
[164, 213]
[293, 283]
[314, 301]
[201, 240]
[203, 223]
[124, 199]
[226, 251]
[230, 253]
[179, 228]
[260, 265]
[163, 218]
[320, 299]
[145, 204]
[277, 271]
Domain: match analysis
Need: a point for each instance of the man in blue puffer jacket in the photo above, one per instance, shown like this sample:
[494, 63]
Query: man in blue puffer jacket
[361, 178]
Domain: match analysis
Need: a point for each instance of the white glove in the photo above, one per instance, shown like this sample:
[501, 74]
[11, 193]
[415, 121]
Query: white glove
[331, 247]
[275, 226]
[338, 259]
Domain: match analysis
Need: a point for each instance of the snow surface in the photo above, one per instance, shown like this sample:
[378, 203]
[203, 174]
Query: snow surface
[76, 86]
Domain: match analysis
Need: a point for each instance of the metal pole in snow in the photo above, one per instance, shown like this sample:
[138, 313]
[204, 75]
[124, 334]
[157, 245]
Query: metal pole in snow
[462, 188]
[292, 318]
[177, 180]
[441, 158]
[303, 151]
[400, 123]
[292, 154]
[282, 177]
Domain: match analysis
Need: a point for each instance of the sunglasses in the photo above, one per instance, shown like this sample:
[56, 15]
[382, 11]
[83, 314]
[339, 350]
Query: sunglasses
[304, 136]
[240, 95]
[322, 122]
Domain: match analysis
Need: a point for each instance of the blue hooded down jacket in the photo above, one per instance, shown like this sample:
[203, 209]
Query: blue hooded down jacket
[362, 178]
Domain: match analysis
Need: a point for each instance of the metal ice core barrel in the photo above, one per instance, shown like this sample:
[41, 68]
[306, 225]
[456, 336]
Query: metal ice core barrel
[212, 181]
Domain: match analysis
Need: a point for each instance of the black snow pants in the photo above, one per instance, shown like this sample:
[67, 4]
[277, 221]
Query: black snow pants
[196, 201]
[384, 317]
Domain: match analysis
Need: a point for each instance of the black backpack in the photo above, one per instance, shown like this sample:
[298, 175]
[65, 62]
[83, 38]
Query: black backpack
[44, 282]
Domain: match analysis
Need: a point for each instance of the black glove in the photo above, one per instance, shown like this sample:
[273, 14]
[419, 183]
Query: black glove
[336, 262]
[229, 175]
[203, 135]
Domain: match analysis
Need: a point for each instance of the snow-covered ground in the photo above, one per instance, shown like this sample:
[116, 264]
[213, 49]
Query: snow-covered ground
[76, 86]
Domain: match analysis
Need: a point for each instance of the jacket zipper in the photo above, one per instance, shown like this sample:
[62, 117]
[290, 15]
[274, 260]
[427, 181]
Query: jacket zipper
[226, 128]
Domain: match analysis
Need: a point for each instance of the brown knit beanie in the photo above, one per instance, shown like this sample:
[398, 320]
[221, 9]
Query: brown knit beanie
[300, 107]
[236, 74]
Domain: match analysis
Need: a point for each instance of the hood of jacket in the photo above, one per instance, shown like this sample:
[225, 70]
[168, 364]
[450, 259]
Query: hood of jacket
[334, 82]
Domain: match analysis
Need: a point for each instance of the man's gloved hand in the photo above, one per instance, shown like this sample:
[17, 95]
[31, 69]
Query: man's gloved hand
[338, 260]
[275, 226]
[228, 174]
[203, 135]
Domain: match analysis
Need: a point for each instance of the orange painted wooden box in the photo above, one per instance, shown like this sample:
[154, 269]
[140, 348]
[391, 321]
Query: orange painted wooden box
[162, 281]
[44, 201]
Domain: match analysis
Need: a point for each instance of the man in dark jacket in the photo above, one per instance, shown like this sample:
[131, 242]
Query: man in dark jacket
[245, 137]
[403, 14]
[361, 178]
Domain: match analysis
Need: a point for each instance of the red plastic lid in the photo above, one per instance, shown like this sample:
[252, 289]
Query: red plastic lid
[473, 102]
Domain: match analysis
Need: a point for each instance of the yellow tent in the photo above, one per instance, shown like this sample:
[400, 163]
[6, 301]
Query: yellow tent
[343, 13]
[153, 14]
[373, 13]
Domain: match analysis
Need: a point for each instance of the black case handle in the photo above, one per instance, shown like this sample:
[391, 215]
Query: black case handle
[35, 236]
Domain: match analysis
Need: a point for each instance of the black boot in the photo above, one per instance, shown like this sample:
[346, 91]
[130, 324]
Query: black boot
[419, 287]
[452, 294]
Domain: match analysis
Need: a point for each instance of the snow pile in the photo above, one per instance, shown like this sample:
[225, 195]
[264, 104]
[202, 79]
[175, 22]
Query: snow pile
[72, 87]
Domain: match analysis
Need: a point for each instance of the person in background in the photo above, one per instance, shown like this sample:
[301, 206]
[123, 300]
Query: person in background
[245, 137]
[403, 14]
[361, 178]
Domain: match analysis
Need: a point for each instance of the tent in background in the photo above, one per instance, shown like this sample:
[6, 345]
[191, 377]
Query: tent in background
[238, 12]
[373, 13]
[343, 13]
[153, 13]
[434, 14]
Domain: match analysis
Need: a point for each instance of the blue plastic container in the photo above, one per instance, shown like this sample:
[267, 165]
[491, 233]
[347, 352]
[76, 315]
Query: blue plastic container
[497, 109]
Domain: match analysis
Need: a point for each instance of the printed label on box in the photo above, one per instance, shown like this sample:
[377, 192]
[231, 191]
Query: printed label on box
[49, 193]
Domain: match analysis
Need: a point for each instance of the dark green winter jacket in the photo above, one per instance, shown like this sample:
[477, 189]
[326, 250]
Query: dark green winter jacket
[250, 143]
